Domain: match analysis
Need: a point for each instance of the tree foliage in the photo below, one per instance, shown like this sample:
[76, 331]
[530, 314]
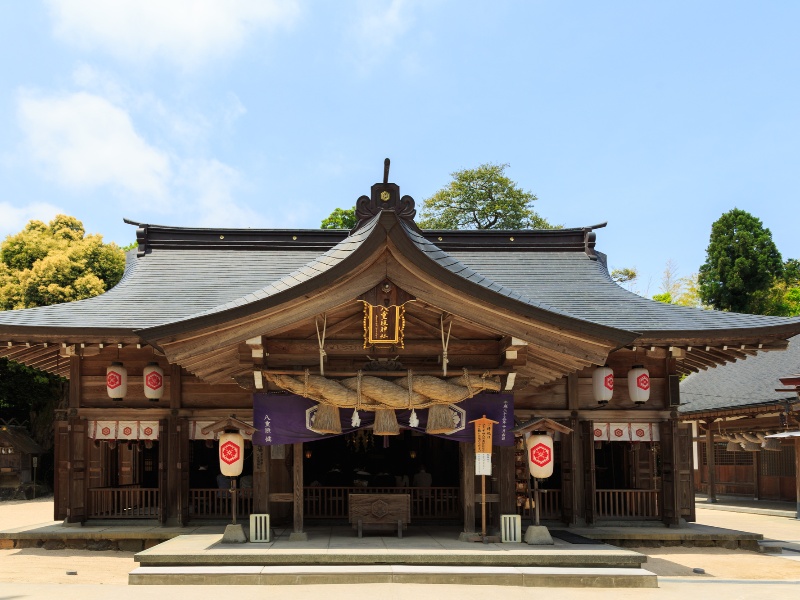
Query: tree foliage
[481, 198]
[678, 290]
[742, 264]
[56, 262]
[48, 264]
[340, 218]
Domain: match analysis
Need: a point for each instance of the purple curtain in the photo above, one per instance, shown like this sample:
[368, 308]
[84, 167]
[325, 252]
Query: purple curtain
[288, 419]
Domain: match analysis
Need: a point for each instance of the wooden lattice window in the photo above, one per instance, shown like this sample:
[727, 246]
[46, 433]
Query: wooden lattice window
[778, 464]
[723, 457]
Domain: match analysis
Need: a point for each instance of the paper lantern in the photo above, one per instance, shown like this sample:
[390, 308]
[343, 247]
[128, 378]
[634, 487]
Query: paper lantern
[153, 377]
[231, 454]
[116, 381]
[639, 384]
[540, 455]
[603, 384]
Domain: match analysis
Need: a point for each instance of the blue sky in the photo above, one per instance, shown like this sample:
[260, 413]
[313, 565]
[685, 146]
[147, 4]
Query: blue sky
[655, 117]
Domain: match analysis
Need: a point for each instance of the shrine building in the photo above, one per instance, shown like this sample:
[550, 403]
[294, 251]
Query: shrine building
[360, 359]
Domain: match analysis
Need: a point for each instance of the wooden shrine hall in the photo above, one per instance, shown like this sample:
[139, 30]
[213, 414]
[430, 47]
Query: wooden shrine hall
[359, 358]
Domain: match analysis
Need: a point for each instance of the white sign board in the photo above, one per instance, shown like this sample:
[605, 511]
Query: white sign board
[483, 463]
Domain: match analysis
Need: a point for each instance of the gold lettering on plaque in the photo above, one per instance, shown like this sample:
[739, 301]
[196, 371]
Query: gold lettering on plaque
[383, 325]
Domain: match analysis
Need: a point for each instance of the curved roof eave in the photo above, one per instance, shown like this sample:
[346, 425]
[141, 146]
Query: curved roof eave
[344, 257]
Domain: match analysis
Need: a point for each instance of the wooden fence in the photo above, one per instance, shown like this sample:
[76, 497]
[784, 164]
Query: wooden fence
[322, 502]
[627, 504]
[123, 503]
[213, 503]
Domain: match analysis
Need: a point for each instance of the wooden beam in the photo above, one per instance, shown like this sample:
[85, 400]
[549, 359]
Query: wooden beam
[350, 347]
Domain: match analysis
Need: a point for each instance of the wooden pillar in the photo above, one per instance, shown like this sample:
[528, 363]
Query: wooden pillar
[711, 461]
[172, 438]
[261, 479]
[797, 474]
[572, 473]
[506, 477]
[756, 475]
[298, 535]
[468, 485]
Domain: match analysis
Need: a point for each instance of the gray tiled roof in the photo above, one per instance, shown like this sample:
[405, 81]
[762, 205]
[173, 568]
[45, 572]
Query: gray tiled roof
[174, 283]
[584, 288]
[743, 383]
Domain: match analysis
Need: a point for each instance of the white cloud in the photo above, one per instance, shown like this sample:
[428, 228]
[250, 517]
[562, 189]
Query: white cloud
[379, 27]
[185, 32]
[13, 218]
[84, 141]
[211, 184]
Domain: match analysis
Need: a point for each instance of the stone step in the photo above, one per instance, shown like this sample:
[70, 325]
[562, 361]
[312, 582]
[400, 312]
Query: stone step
[326, 574]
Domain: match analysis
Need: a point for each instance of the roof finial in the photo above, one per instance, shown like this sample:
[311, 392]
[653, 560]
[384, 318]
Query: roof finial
[386, 170]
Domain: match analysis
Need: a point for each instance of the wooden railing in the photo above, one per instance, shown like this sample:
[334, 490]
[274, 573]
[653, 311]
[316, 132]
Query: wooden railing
[322, 502]
[550, 504]
[627, 504]
[123, 503]
[213, 503]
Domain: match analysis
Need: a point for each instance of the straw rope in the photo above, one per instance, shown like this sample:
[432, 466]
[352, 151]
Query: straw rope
[373, 393]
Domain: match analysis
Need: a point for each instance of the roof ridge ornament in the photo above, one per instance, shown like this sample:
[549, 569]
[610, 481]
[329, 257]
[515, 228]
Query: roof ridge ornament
[384, 196]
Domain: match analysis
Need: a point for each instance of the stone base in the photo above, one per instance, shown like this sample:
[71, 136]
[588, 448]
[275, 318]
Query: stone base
[477, 537]
[537, 535]
[234, 534]
[301, 536]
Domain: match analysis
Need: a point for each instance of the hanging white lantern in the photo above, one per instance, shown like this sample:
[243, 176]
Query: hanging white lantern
[231, 454]
[153, 377]
[116, 381]
[603, 384]
[639, 384]
[540, 455]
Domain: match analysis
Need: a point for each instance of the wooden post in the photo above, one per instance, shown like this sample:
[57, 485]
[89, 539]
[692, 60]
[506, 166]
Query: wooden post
[468, 485]
[261, 479]
[797, 474]
[711, 460]
[756, 475]
[483, 506]
[298, 535]
[506, 466]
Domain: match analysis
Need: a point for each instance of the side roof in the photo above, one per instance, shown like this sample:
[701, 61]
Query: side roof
[744, 384]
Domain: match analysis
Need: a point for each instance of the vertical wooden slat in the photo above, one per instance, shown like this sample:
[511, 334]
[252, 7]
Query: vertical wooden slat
[298, 488]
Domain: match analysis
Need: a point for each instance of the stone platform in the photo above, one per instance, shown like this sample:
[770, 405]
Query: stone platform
[424, 555]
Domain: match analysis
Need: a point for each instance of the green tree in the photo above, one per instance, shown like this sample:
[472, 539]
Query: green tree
[54, 263]
[742, 264]
[677, 290]
[481, 198]
[340, 218]
[47, 264]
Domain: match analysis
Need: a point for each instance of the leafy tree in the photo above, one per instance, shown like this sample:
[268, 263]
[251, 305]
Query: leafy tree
[625, 276]
[54, 263]
[47, 264]
[677, 290]
[481, 198]
[340, 218]
[742, 264]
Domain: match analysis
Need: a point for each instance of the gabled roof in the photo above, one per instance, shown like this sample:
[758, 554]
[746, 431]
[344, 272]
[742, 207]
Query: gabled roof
[183, 280]
[750, 383]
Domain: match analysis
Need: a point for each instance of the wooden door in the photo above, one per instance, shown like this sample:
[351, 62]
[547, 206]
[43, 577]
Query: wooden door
[644, 466]
[76, 511]
[587, 444]
[61, 476]
[685, 473]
